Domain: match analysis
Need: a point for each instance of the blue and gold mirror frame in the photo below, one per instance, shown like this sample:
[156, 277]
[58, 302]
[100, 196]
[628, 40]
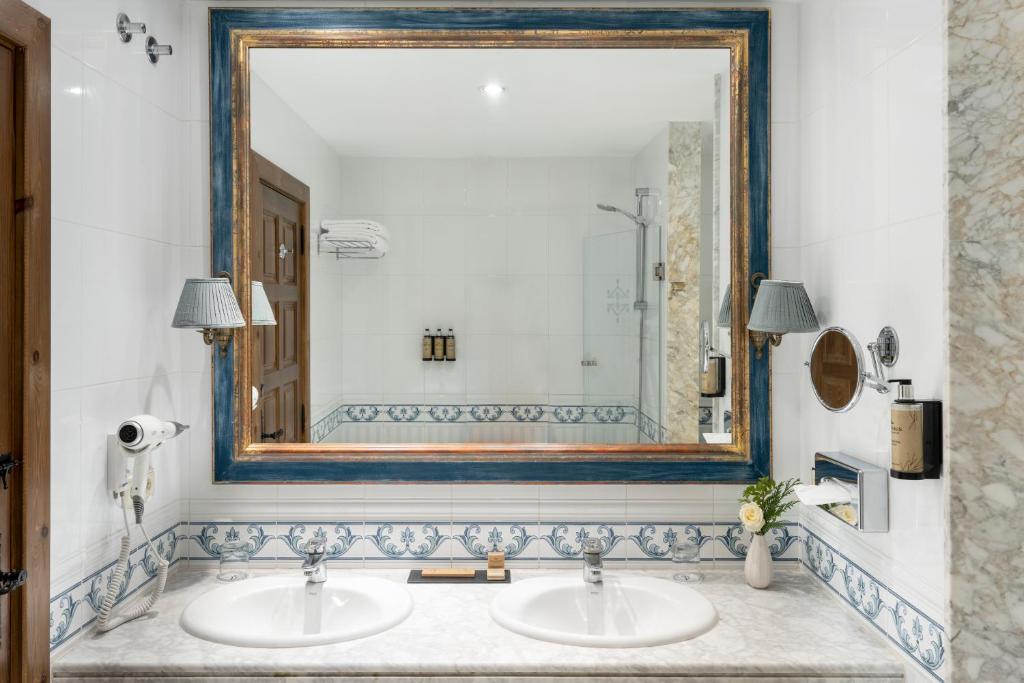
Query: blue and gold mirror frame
[745, 32]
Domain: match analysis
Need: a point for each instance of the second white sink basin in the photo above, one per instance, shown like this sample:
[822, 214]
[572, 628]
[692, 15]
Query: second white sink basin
[283, 611]
[624, 611]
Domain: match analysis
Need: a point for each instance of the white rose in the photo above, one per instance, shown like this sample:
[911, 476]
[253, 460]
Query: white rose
[847, 513]
[752, 517]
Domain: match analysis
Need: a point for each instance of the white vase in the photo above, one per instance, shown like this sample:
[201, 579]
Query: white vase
[757, 568]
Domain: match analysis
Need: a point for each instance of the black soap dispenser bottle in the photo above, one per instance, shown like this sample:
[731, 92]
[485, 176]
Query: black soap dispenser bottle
[916, 435]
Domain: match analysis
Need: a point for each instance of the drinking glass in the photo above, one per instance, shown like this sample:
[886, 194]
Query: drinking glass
[686, 556]
[234, 562]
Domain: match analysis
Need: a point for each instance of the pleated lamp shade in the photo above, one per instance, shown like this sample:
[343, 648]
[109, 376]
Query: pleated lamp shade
[782, 306]
[725, 312]
[262, 312]
[207, 303]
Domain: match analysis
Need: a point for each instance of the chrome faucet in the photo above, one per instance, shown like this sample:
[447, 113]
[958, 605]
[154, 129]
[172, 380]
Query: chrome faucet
[315, 564]
[592, 565]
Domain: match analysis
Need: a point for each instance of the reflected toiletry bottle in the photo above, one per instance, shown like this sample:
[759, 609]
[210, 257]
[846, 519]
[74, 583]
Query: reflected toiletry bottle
[712, 380]
[439, 345]
[449, 345]
[916, 435]
[427, 352]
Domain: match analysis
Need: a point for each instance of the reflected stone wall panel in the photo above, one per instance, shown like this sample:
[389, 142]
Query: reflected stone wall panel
[683, 274]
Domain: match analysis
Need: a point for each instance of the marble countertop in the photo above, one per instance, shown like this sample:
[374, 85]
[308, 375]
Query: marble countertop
[795, 628]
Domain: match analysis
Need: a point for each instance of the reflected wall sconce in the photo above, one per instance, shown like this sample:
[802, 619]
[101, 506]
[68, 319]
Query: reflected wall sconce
[780, 307]
[209, 306]
[262, 311]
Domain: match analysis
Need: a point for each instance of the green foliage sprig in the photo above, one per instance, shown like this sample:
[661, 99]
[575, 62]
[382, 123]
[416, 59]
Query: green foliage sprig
[771, 498]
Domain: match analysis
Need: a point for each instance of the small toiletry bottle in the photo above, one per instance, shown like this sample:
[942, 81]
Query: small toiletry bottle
[916, 435]
[449, 345]
[439, 345]
[712, 380]
[428, 345]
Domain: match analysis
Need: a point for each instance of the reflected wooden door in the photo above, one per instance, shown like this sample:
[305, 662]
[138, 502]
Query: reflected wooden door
[279, 260]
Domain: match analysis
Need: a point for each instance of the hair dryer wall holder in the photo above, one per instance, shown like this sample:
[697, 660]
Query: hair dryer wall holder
[122, 464]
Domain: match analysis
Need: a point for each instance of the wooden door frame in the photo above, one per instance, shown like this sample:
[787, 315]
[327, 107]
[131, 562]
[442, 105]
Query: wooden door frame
[28, 33]
[266, 173]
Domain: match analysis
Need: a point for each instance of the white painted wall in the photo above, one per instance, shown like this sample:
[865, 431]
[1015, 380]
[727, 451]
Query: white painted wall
[871, 251]
[122, 245]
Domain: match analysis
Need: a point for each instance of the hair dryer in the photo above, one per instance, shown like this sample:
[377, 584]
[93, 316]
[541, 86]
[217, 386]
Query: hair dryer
[136, 439]
[141, 435]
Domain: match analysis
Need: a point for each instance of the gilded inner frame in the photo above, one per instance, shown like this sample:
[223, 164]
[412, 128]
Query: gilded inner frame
[736, 41]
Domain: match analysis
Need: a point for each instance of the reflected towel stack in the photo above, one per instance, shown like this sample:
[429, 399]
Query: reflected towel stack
[355, 238]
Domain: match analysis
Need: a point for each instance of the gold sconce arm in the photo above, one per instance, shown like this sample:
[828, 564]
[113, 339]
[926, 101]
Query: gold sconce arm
[222, 336]
[758, 339]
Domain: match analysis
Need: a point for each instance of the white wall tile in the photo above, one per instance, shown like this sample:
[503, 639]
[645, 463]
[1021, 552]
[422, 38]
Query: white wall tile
[871, 212]
[67, 89]
[528, 185]
[916, 108]
[527, 246]
[485, 245]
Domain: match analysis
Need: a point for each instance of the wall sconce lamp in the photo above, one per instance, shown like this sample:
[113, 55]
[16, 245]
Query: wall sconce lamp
[780, 306]
[208, 304]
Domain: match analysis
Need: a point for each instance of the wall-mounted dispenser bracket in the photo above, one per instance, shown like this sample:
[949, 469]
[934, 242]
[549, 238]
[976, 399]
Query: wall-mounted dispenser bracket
[884, 351]
[120, 471]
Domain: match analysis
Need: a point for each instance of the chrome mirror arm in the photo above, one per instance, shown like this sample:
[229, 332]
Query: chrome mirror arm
[876, 378]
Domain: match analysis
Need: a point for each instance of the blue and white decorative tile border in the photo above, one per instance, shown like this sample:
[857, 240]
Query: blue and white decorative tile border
[450, 413]
[650, 428]
[325, 425]
[909, 628]
[912, 631]
[76, 607]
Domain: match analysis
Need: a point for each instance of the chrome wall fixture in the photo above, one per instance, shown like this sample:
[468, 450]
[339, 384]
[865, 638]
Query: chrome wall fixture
[155, 49]
[126, 28]
[868, 486]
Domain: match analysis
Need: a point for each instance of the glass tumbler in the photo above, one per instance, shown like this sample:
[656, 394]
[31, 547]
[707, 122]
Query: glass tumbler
[686, 556]
[234, 562]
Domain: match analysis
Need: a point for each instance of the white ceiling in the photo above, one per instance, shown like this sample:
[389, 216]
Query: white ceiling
[427, 102]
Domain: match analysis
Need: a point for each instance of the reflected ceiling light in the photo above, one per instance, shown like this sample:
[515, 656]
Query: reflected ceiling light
[493, 90]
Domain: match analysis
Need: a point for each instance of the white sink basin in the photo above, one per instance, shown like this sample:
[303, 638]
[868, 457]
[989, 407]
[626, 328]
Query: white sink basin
[281, 611]
[626, 611]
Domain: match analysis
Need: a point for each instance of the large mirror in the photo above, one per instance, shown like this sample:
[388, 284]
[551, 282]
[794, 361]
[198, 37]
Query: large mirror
[472, 247]
[504, 245]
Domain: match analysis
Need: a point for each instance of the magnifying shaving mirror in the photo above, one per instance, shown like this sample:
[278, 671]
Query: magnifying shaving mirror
[837, 370]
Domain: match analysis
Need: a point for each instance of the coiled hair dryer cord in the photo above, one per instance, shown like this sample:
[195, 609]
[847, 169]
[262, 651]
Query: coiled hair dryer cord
[108, 620]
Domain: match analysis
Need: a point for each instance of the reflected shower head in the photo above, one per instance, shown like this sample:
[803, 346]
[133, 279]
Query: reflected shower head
[631, 216]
